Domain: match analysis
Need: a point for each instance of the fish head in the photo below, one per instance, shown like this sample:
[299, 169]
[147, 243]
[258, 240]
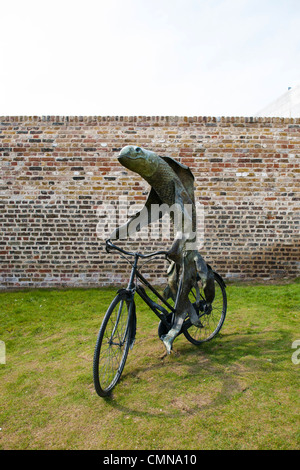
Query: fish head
[142, 161]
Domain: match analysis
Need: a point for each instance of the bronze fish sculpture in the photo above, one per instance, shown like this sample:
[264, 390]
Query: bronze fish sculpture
[172, 185]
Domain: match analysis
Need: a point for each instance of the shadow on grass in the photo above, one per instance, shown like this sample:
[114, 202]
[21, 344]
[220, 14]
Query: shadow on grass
[230, 364]
[232, 347]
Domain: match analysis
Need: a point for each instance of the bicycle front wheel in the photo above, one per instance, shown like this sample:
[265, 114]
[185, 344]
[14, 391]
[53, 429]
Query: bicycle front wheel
[112, 345]
[211, 319]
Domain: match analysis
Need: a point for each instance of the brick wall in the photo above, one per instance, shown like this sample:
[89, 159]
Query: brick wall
[56, 172]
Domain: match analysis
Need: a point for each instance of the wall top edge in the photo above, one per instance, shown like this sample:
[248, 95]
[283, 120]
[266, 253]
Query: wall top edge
[131, 119]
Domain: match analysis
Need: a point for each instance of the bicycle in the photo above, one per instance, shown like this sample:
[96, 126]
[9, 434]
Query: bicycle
[118, 329]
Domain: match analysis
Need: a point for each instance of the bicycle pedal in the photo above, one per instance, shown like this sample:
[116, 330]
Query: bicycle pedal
[207, 309]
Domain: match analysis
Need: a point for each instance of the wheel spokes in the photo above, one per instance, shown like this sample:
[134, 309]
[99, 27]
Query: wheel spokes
[210, 318]
[113, 345]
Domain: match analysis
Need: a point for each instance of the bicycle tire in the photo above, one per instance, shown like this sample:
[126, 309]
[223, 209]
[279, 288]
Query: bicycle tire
[213, 321]
[113, 342]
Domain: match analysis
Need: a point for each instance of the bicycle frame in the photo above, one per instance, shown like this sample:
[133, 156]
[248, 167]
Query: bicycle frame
[159, 311]
[162, 313]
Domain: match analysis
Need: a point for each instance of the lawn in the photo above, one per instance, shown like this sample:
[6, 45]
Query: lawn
[239, 391]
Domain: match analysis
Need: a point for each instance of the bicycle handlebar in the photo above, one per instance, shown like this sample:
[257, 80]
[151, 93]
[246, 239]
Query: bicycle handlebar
[110, 246]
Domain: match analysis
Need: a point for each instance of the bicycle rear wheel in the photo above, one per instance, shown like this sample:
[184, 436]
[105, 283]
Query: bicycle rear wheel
[211, 317]
[112, 345]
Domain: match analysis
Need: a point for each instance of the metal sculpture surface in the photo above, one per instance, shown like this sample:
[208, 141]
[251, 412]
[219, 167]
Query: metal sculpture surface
[172, 187]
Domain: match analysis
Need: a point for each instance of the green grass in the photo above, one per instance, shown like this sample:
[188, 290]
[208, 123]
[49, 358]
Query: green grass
[239, 391]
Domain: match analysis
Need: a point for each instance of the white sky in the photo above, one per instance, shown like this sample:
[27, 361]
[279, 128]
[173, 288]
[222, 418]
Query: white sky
[147, 57]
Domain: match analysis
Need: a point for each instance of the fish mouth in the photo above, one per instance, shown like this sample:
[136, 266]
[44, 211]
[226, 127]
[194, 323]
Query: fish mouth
[123, 158]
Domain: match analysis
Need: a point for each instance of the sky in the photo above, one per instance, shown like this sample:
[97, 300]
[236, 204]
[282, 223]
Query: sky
[147, 57]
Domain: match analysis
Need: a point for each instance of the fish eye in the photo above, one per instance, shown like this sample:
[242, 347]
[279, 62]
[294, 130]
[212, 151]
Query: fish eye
[138, 149]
